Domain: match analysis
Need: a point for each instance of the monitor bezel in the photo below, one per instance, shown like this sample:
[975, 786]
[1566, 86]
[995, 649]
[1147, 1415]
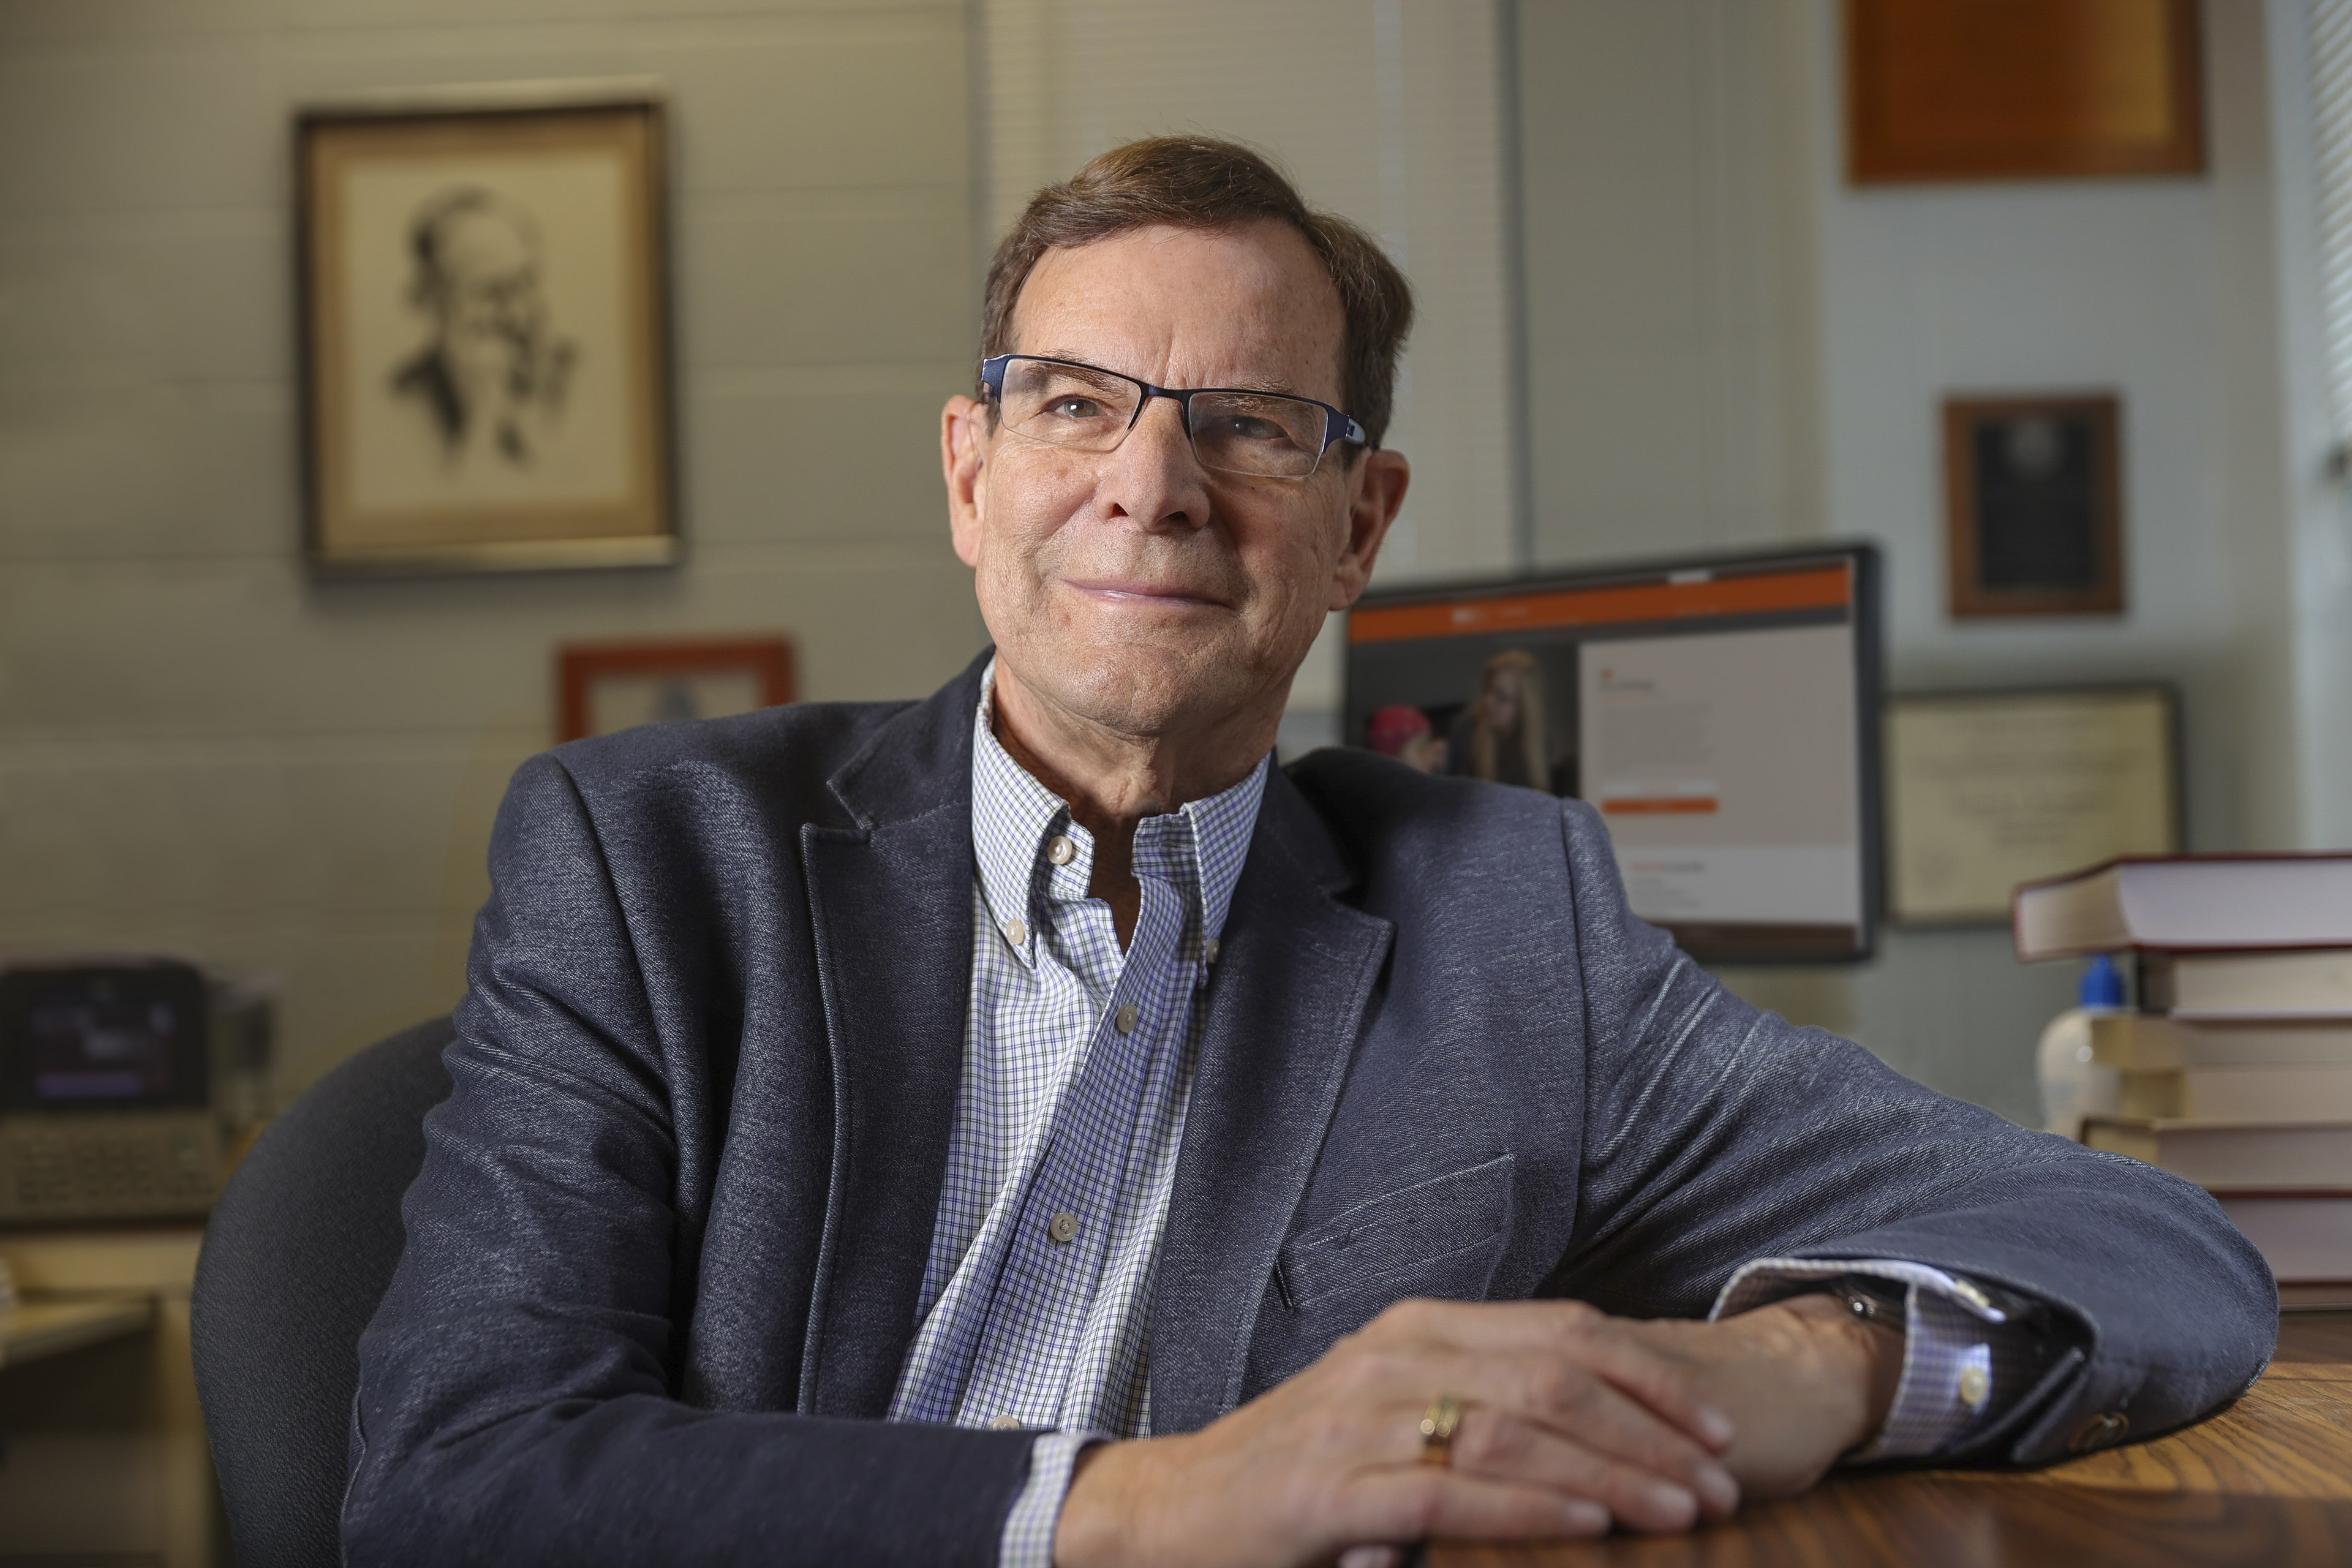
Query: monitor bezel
[1863, 560]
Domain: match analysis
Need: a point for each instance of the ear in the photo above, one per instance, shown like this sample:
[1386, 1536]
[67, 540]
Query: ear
[963, 442]
[1375, 491]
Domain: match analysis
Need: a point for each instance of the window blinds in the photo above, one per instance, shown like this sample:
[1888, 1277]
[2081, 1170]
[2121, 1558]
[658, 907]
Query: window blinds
[2331, 87]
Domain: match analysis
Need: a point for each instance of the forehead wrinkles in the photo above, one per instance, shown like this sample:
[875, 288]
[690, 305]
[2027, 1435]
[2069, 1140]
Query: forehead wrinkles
[1251, 307]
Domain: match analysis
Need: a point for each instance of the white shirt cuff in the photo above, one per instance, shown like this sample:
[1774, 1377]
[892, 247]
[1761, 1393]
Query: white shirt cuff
[1964, 1358]
[1028, 1540]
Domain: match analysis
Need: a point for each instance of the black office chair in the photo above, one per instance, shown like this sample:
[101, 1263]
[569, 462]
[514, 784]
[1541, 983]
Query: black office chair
[299, 1249]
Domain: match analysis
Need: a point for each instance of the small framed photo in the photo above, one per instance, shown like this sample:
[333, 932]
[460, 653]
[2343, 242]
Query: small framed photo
[2034, 505]
[604, 687]
[1988, 789]
[484, 332]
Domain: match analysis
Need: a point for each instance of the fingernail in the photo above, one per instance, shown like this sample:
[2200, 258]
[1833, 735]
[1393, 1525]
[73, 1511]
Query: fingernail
[1716, 1427]
[1578, 1517]
[1717, 1486]
[1671, 1499]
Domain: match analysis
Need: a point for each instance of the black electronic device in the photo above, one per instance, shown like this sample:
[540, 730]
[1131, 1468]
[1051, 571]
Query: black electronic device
[1721, 714]
[105, 1093]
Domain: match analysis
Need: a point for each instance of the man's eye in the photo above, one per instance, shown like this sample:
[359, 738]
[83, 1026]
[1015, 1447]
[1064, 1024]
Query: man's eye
[1073, 407]
[1244, 428]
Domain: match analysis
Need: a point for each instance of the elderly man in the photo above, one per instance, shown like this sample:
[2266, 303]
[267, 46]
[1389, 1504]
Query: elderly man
[493, 373]
[1026, 1126]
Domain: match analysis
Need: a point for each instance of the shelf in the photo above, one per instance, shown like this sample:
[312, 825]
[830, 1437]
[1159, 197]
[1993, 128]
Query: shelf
[40, 1327]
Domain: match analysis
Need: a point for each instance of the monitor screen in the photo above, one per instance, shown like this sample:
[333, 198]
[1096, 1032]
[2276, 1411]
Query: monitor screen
[102, 1037]
[1721, 716]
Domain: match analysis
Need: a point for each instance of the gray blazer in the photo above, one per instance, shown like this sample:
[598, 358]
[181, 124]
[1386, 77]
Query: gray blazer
[663, 1257]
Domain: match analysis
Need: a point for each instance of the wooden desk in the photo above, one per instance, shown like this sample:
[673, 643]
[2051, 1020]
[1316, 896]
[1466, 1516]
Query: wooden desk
[106, 1455]
[2268, 1481]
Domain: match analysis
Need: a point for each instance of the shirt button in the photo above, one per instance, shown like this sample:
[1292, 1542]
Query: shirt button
[1974, 1386]
[1016, 933]
[1063, 1228]
[1125, 1022]
[1060, 851]
[1209, 950]
[1006, 1424]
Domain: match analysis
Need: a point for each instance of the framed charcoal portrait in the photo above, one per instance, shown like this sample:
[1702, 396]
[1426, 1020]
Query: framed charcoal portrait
[604, 687]
[485, 334]
[2033, 522]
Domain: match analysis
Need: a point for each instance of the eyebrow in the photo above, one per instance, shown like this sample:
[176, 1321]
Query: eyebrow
[1272, 387]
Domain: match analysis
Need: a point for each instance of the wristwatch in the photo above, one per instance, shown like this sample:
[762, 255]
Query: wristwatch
[1886, 1302]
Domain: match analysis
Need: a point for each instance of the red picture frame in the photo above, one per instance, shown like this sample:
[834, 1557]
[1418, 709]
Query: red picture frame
[580, 665]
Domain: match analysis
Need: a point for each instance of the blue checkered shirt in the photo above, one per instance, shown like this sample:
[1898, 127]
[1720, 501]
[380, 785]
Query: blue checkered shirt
[1078, 1068]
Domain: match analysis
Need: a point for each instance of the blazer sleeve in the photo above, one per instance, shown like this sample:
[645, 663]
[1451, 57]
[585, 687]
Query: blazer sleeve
[1715, 1132]
[516, 1401]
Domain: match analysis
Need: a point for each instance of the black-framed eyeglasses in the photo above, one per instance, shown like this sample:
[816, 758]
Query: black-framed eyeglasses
[1089, 409]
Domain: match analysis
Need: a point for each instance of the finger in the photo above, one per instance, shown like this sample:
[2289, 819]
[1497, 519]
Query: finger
[1497, 1446]
[1583, 1333]
[1422, 1502]
[1372, 1557]
[1508, 1395]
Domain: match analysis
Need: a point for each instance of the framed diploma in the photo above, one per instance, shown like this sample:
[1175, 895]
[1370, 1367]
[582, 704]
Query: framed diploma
[1988, 789]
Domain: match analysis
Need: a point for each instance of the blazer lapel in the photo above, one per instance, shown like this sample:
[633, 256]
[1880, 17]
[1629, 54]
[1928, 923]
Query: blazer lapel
[890, 903]
[1285, 1008]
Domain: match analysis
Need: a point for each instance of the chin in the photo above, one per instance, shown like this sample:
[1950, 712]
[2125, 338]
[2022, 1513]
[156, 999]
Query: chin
[1137, 686]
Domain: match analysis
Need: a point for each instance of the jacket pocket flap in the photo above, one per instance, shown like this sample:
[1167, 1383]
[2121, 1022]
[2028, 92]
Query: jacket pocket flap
[1398, 1231]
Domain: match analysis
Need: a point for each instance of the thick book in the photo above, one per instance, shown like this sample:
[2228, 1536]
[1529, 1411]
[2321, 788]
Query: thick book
[2220, 987]
[2187, 902]
[2141, 1042]
[2259, 1093]
[2305, 1234]
[2232, 1153]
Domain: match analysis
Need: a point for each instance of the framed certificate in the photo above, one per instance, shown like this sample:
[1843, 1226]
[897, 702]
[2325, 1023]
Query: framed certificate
[1988, 789]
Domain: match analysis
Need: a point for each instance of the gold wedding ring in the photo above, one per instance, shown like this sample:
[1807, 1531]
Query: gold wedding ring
[1437, 1424]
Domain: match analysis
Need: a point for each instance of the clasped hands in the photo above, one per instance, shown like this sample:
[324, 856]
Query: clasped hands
[1574, 1422]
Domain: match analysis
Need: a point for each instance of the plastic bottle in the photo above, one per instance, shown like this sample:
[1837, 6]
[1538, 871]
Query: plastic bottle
[2073, 1085]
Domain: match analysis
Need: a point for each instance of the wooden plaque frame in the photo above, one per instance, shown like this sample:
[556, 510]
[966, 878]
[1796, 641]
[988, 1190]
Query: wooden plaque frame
[1992, 89]
[1969, 596]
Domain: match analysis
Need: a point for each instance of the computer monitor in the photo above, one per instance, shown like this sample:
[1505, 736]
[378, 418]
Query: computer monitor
[1722, 714]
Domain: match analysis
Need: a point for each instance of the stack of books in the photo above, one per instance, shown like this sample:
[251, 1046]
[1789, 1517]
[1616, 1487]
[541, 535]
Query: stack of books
[2236, 1070]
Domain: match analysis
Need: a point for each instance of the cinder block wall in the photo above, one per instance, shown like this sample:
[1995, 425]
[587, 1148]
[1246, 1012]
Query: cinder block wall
[205, 751]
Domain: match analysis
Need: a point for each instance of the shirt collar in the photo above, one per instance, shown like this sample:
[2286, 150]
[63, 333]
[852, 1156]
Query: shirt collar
[1013, 817]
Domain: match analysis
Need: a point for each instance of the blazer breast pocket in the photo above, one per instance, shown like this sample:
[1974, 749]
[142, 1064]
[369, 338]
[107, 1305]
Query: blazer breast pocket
[1439, 1237]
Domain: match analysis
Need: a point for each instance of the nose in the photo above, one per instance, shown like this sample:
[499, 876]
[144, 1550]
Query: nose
[1153, 476]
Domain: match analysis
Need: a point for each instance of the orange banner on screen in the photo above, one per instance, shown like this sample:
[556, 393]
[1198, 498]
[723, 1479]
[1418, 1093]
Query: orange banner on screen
[1816, 588]
[1660, 805]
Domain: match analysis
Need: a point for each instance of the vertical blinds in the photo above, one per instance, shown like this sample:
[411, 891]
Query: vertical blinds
[2331, 85]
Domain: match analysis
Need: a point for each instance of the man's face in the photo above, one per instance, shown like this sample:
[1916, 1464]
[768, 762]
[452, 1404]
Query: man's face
[488, 281]
[1134, 589]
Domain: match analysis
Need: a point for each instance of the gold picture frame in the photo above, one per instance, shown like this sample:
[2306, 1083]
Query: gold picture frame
[485, 329]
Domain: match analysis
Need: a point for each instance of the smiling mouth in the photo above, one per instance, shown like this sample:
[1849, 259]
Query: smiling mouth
[1124, 592]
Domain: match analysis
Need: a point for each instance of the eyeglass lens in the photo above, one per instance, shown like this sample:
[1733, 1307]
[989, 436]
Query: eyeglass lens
[1091, 411]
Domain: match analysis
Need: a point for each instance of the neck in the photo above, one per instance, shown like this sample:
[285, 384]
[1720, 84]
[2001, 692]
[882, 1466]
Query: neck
[1114, 779]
